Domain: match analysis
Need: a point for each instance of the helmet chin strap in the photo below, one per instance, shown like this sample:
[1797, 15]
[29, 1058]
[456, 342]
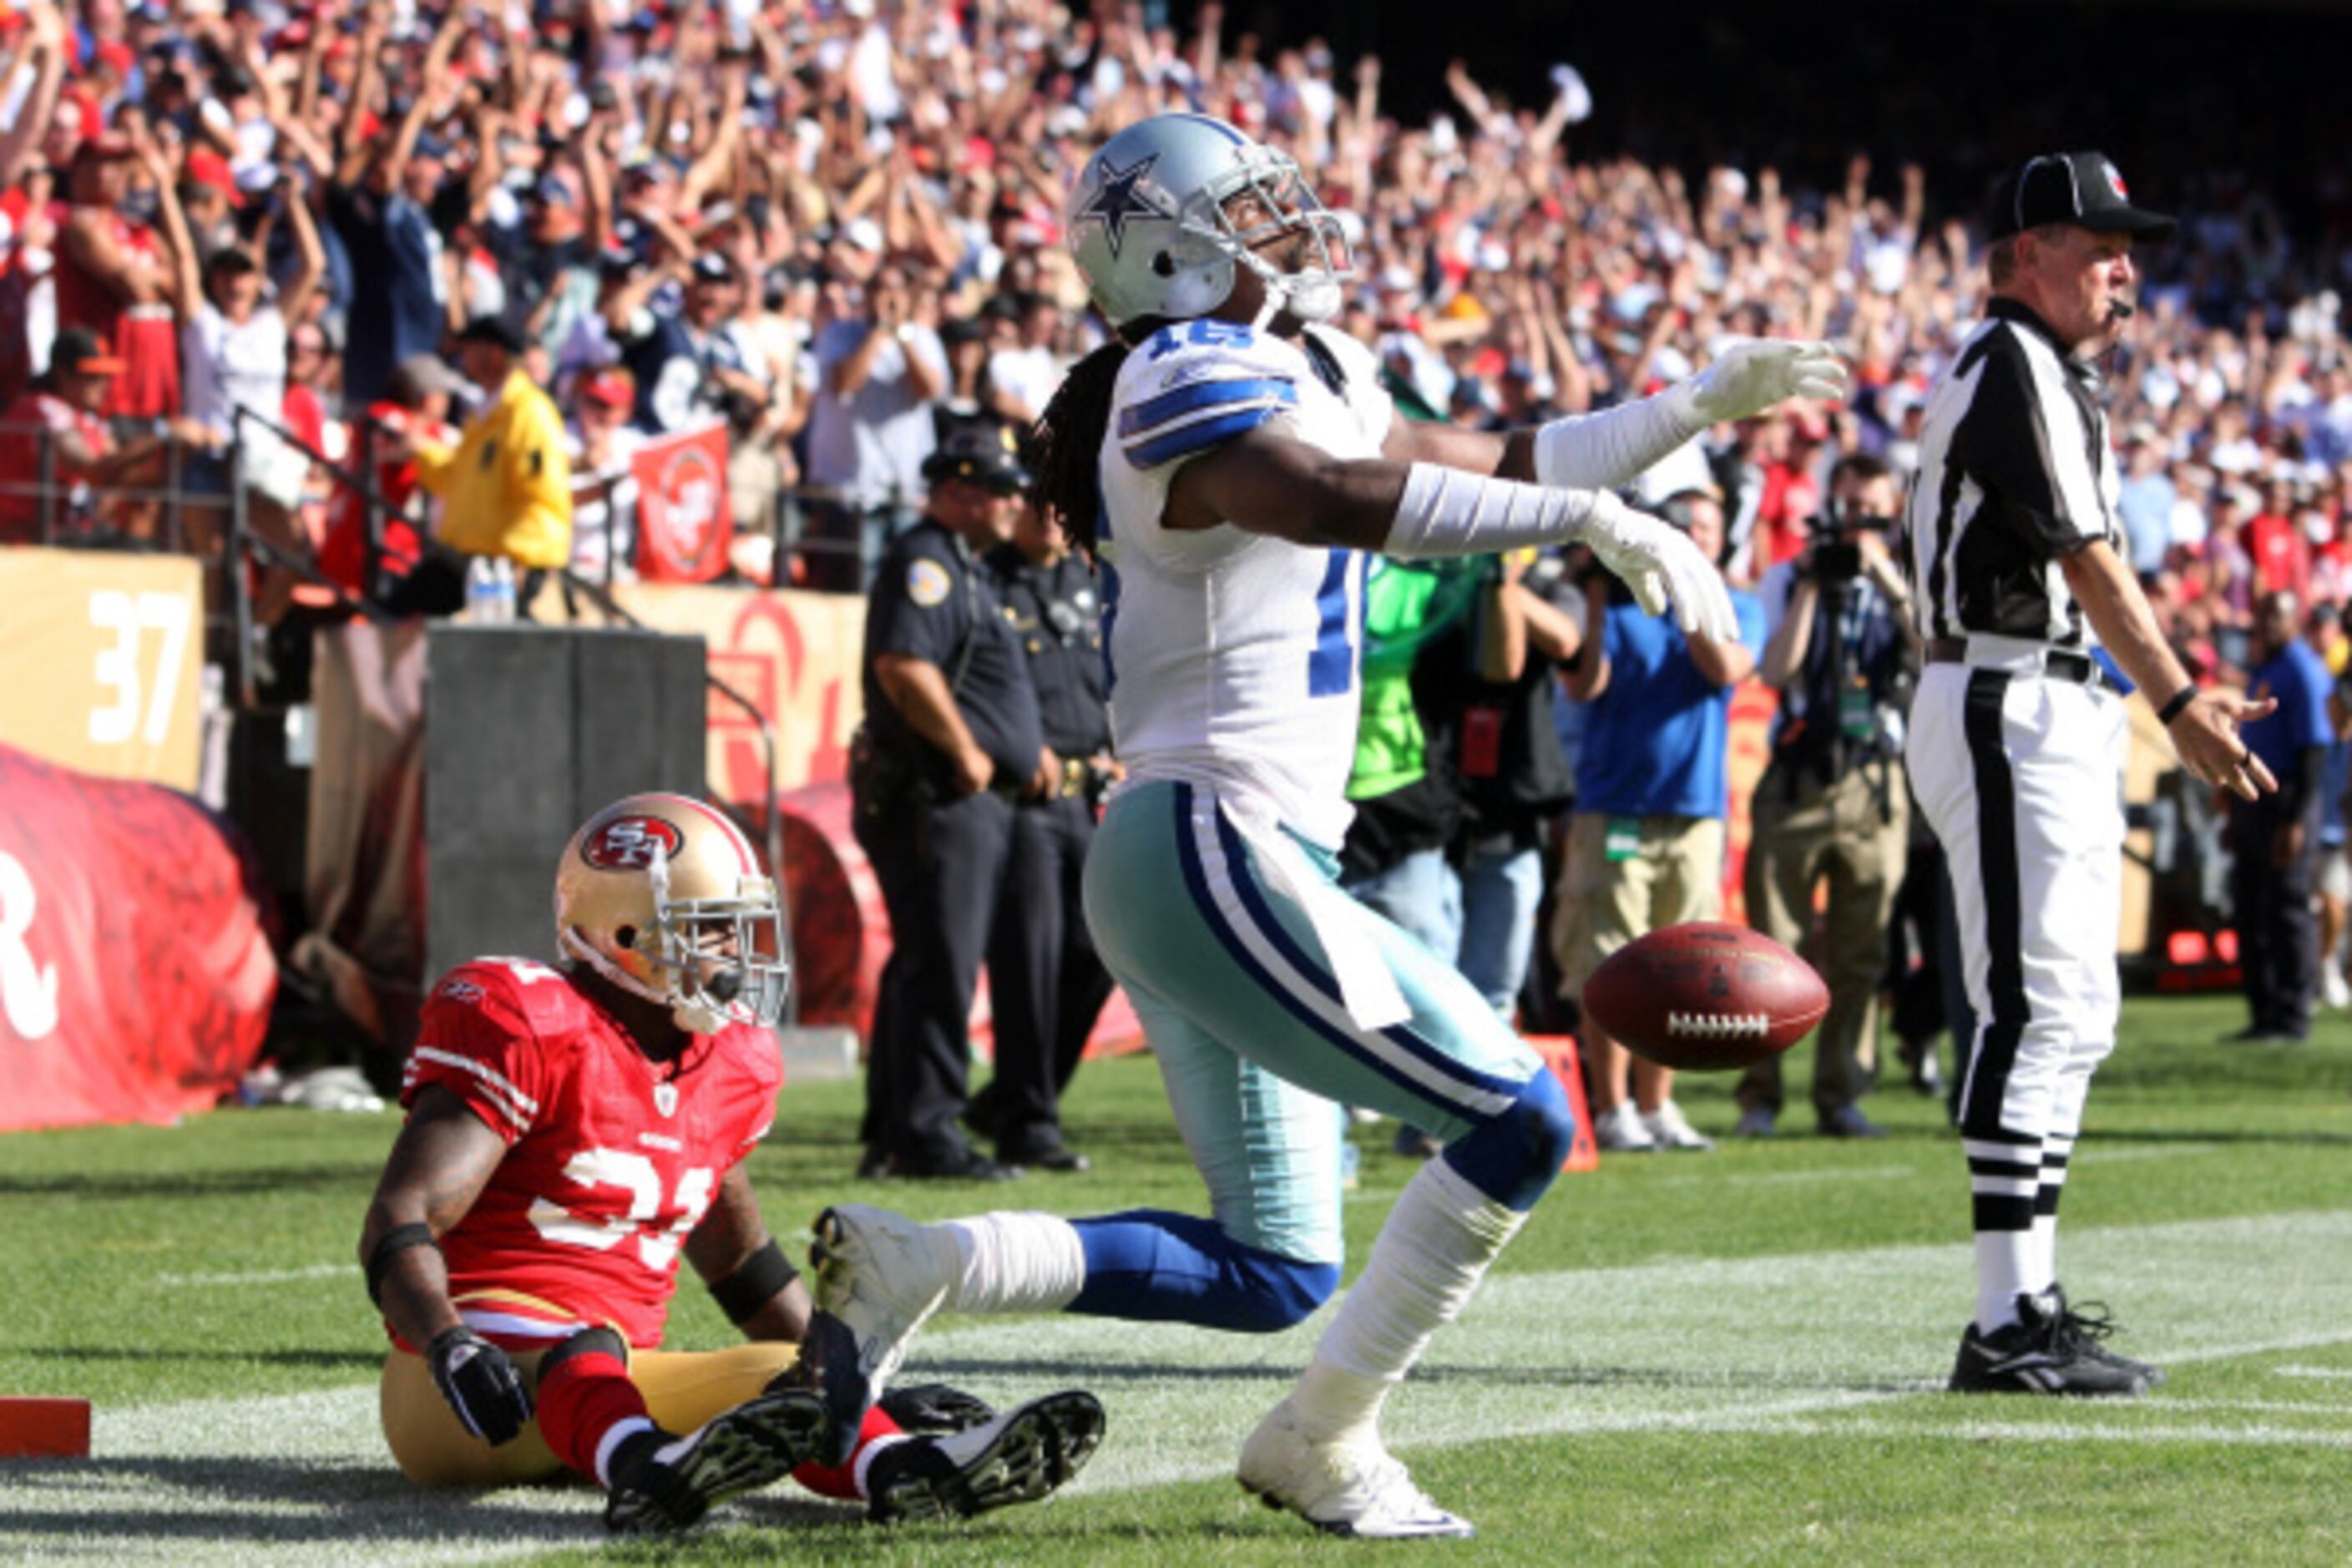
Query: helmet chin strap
[1312, 296]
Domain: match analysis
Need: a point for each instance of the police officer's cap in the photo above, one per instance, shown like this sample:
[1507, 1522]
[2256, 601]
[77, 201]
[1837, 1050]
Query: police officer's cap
[979, 455]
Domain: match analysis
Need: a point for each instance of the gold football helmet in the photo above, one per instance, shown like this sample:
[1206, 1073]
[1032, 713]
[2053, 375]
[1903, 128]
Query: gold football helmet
[664, 897]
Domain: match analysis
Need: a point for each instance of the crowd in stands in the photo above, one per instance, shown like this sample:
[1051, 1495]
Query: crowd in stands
[701, 212]
[836, 226]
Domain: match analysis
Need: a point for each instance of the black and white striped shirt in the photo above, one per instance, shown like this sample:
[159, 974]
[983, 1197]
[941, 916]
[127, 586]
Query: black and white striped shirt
[2015, 472]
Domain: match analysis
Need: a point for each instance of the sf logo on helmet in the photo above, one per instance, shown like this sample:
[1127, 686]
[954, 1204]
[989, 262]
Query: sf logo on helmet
[627, 844]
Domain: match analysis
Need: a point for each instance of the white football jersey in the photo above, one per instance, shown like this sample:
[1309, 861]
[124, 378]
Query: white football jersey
[1233, 656]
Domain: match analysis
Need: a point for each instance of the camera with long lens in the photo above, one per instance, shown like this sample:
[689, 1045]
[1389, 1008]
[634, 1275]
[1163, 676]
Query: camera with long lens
[1837, 550]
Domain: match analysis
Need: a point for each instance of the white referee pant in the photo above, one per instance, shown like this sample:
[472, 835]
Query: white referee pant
[2021, 777]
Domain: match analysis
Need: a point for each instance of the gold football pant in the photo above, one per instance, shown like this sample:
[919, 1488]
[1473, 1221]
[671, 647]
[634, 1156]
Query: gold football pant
[682, 1389]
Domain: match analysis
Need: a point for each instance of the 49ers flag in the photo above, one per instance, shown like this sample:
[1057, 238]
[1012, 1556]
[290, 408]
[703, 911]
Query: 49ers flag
[135, 978]
[683, 525]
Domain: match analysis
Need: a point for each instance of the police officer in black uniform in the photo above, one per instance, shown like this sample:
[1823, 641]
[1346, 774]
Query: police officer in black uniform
[951, 742]
[1047, 983]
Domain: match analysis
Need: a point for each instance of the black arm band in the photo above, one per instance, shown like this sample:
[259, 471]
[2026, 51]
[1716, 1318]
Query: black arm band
[398, 1239]
[754, 1283]
[2180, 700]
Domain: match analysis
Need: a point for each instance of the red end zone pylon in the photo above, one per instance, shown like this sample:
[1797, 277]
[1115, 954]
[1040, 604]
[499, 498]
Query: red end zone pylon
[44, 1428]
[1558, 1052]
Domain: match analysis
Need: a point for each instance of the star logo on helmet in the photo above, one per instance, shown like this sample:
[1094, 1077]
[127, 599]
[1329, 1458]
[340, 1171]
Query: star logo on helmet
[1122, 196]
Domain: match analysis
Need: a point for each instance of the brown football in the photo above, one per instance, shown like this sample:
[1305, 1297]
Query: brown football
[1706, 996]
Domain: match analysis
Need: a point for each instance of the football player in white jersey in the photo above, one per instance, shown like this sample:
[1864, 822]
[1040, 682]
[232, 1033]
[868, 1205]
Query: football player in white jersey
[1234, 461]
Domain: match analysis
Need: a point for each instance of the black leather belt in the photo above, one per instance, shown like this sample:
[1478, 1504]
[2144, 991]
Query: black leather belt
[2057, 663]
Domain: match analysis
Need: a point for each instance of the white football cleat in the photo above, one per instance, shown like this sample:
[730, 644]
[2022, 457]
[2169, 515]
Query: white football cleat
[1354, 1489]
[1668, 1130]
[878, 1276]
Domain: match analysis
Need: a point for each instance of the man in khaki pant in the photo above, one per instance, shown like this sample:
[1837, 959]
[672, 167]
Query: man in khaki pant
[1646, 842]
[1831, 807]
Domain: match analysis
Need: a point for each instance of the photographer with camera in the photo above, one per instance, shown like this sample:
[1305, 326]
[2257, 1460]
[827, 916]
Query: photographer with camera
[952, 742]
[1831, 807]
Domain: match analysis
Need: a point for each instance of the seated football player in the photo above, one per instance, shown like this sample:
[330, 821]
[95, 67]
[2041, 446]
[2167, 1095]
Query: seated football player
[571, 1133]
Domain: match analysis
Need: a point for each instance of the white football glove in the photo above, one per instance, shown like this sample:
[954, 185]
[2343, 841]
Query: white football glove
[1751, 375]
[1660, 563]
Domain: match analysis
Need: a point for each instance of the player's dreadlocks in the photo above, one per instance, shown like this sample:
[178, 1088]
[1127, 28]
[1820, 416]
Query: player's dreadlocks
[1064, 447]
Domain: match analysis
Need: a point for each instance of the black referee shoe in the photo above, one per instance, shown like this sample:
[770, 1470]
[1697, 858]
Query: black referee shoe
[2049, 1350]
[2090, 1326]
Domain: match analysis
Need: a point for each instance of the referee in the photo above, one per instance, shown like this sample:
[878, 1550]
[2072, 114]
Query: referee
[2016, 743]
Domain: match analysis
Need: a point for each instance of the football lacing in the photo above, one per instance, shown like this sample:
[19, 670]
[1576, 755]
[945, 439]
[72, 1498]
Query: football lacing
[1719, 1025]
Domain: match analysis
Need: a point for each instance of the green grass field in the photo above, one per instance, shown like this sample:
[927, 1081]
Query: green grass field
[1724, 1358]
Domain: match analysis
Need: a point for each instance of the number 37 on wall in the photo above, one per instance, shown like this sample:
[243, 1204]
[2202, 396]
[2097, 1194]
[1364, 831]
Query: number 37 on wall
[120, 715]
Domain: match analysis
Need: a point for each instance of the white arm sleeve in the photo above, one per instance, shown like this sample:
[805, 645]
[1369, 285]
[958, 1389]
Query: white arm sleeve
[1451, 511]
[1600, 451]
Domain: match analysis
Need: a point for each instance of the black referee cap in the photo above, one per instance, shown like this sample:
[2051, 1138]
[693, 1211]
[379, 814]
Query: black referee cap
[980, 455]
[2079, 188]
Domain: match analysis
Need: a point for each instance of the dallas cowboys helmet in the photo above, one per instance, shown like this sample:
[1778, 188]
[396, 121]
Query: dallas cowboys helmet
[1148, 226]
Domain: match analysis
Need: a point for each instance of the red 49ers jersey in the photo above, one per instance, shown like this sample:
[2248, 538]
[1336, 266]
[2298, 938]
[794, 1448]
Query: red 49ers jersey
[612, 1159]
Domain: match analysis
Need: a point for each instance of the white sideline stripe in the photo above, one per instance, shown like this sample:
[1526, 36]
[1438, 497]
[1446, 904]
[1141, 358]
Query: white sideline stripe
[2327, 1372]
[263, 1276]
[1698, 1345]
[2056, 1432]
[2095, 1154]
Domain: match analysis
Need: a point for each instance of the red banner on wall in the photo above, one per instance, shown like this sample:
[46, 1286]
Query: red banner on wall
[135, 977]
[684, 527]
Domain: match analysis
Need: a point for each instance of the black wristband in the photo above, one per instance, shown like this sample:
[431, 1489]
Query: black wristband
[754, 1283]
[2180, 700]
[398, 1239]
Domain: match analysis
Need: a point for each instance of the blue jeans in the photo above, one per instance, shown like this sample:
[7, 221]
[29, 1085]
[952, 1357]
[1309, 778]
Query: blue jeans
[1419, 894]
[1498, 898]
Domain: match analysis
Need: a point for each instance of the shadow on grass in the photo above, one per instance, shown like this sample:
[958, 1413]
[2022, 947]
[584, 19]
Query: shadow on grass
[274, 1181]
[330, 1360]
[342, 1504]
[1101, 1375]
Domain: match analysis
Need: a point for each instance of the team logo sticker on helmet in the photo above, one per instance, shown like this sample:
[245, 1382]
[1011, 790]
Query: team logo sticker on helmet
[927, 583]
[627, 843]
[1122, 196]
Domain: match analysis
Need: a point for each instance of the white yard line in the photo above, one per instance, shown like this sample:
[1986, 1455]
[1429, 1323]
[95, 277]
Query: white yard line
[2053, 1432]
[2315, 1372]
[263, 1276]
[1799, 1343]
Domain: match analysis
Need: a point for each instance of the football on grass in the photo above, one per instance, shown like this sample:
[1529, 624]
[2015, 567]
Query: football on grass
[1706, 996]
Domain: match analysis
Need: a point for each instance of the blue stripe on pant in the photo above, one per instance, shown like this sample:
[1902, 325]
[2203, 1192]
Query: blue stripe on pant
[1255, 1050]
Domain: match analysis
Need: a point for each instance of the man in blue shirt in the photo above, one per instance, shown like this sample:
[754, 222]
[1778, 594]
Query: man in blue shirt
[2274, 839]
[1645, 844]
[870, 429]
[2145, 501]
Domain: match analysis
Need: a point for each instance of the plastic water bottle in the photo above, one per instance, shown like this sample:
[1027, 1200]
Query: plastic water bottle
[481, 592]
[502, 582]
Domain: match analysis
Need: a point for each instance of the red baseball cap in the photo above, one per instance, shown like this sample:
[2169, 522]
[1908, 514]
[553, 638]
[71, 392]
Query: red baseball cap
[614, 388]
[207, 167]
